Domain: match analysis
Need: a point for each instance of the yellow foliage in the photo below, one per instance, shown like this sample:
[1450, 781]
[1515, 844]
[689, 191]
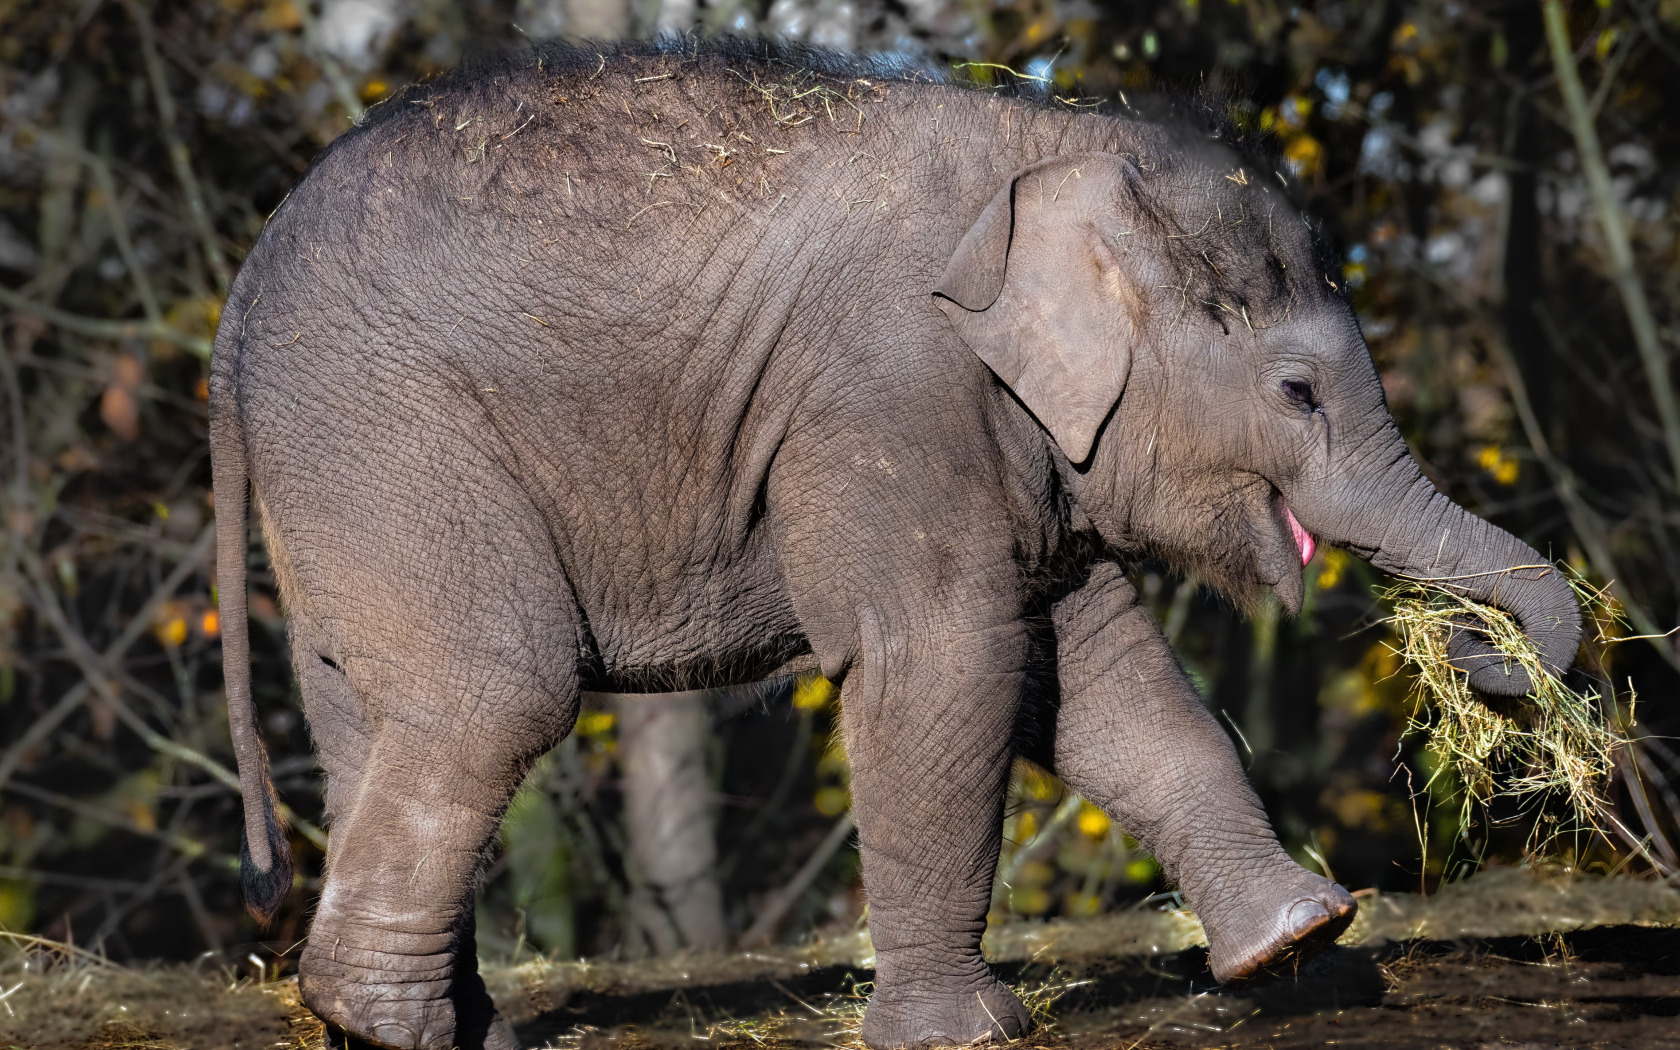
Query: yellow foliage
[1348, 691]
[832, 801]
[814, 693]
[1381, 663]
[1082, 905]
[1305, 156]
[172, 632]
[193, 316]
[199, 316]
[1504, 468]
[282, 14]
[138, 811]
[834, 764]
[1093, 821]
[595, 723]
[1606, 43]
[1026, 826]
[1036, 783]
[1333, 563]
[1362, 809]
[17, 904]
[136, 798]
[1142, 869]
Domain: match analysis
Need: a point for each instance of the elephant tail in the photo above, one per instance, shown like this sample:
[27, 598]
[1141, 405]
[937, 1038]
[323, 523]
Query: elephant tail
[265, 857]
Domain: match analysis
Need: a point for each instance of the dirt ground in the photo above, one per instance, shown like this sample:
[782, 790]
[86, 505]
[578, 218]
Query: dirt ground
[1507, 959]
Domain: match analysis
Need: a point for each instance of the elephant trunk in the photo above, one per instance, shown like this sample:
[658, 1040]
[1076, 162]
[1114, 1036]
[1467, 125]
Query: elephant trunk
[1404, 525]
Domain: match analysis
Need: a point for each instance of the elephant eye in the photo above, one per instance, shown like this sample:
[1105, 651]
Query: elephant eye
[1300, 392]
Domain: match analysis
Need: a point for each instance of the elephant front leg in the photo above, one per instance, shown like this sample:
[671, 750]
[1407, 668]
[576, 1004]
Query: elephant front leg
[1132, 736]
[927, 729]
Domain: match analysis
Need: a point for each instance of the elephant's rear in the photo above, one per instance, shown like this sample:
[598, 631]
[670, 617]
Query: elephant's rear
[434, 638]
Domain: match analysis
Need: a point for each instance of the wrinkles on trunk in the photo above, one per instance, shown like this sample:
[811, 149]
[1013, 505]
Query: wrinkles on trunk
[1404, 525]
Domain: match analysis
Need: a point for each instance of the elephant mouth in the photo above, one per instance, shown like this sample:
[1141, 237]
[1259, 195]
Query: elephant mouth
[1304, 542]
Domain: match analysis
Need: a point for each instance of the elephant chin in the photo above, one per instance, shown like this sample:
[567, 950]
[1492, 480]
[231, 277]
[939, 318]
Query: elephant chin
[1291, 590]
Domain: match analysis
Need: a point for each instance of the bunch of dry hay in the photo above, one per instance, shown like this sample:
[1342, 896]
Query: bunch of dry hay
[838, 1020]
[55, 996]
[1556, 742]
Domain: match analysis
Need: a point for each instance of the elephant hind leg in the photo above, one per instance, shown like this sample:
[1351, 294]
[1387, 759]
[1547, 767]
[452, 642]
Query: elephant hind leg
[437, 672]
[391, 955]
[1132, 736]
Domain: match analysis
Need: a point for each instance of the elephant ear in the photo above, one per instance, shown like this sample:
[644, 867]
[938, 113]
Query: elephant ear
[1038, 293]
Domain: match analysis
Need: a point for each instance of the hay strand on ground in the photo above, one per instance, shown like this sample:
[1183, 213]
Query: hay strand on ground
[837, 1021]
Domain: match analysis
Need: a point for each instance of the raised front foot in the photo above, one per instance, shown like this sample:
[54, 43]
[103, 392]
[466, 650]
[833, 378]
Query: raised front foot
[909, 1014]
[1284, 923]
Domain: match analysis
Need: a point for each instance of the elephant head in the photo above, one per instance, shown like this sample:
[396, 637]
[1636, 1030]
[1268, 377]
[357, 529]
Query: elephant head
[1166, 319]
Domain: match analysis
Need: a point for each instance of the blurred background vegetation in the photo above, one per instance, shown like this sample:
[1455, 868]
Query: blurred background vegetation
[1505, 206]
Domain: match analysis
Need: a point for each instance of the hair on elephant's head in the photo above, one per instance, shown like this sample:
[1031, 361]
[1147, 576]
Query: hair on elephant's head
[1170, 324]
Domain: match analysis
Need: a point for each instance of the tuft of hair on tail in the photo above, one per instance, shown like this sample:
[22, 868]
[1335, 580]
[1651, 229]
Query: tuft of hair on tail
[265, 886]
[265, 857]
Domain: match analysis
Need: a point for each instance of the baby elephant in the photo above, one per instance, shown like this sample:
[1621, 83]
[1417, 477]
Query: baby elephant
[668, 367]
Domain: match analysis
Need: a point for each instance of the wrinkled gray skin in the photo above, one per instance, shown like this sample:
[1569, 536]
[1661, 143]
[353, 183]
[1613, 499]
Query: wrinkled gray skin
[537, 393]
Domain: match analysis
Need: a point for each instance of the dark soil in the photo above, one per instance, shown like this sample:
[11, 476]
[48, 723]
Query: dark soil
[1507, 960]
[1609, 986]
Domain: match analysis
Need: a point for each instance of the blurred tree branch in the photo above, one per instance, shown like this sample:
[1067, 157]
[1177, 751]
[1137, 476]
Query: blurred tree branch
[179, 158]
[182, 844]
[125, 246]
[99, 328]
[95, 672]
[1588, 525]
[775, 911]
[1616, 239]
[331, 69]
[135, 629]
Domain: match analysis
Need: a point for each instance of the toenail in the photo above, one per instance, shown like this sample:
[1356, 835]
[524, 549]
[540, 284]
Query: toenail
[1304, 915]
[393, 1033]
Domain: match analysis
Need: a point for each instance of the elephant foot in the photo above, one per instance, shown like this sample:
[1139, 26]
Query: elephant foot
[469, 1023]
[500, 1037]
[398, 1017]
[1271, 936]
[392, 1013]
[912, 1014]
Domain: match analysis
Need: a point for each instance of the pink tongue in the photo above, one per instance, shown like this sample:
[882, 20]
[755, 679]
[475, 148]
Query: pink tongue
[1303, 538]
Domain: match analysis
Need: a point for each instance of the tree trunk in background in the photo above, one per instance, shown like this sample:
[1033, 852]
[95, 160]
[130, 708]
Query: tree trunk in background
[540, 19]
[598, 19]
[677, 15]
[670, 819]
